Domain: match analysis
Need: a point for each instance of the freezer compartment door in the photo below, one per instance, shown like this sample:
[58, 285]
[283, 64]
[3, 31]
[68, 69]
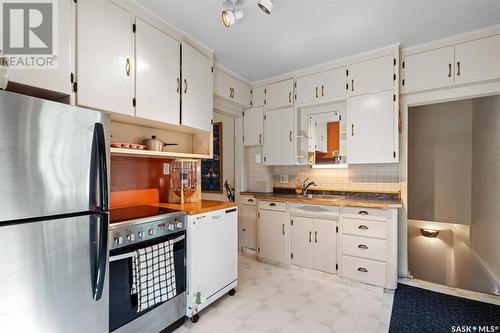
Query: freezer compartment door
[54, 275]
[50, 154]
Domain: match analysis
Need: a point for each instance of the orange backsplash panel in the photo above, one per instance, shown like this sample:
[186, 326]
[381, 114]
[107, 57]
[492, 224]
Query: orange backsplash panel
[136, 181]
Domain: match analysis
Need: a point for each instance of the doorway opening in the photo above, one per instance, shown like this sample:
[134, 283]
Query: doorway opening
[454, 194]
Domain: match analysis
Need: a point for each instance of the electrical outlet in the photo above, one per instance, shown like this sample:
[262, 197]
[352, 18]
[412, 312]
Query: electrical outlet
[166, 168]
[284, 179]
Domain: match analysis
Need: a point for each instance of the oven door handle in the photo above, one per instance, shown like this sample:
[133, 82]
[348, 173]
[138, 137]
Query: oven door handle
[131, 253]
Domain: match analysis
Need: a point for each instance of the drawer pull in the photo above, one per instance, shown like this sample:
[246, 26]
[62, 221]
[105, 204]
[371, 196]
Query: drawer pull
[363, 246]
[363, 212]
[272, 204]
[363, 227]
[362, 269]
[250, 200]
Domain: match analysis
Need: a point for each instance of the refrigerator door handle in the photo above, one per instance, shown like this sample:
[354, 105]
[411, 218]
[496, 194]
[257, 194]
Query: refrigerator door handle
[102, 167]
[99, 261]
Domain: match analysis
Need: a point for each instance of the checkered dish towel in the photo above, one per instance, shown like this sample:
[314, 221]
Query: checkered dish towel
[153, 274]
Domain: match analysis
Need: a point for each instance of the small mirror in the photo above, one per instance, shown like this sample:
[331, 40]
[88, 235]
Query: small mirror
[325, 139]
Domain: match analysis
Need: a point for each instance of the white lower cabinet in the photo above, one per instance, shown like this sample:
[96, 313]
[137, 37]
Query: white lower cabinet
[272, 235]
[367, 271]
[313, 243]
[247, 223]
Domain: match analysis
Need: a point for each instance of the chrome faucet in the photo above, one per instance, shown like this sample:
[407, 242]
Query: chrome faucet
[306, 185]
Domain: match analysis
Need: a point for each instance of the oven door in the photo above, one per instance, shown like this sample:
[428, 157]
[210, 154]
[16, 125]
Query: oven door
[123, 305]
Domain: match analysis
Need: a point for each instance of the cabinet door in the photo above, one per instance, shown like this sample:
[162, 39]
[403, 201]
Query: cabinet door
[258, 96]
[105, 57]
[372, 75]
[278, 137]
[157, 75]
[279, 94]
[230, 88]
[253, 122]
[332, 84]
[371, 128]
[325, 245]
[272, 235]
[308, 89]
[241, 93]
[197, 89]
[301, 238]
[247, 227]
[430, 69]
[56, 79]
[222, 84]
[478, 60]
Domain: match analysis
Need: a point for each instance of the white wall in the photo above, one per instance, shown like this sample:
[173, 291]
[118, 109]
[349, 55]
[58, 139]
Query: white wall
[227, 155]
[485, 228]
[440, 162]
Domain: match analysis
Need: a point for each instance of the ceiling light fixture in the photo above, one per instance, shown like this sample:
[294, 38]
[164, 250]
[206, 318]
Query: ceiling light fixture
[230, 16]
[266, 6]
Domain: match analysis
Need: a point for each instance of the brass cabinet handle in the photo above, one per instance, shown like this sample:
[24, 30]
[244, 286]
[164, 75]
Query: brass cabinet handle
[127, 66]
[316, 92]
[362, 269]
[309, 236]
[363, 227]
[363, 246]
[352, 129]
[322, 91]
[272, 204]
[185, 86]
[315, 237]
[283, 229]
[290, 136]
[234, 93]
[178, 85]
[458, 68]
[449, 70]
[352, 85]
[230, 92]
[289, 97]
[260, 139]
[250, 200]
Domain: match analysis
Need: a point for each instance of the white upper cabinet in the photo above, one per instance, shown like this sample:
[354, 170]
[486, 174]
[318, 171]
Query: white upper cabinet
[321, 87]
[253, 122]
[230, 88]
[258, 95]
[429, 69]
[477, 60]
[371, 76]
[157, 75]
[279, 94]
[57, 79]
[197, 89]
[279, 137]
[105, 49]
[371, 128]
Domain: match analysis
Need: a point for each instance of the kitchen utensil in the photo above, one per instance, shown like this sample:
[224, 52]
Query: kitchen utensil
[154, 144]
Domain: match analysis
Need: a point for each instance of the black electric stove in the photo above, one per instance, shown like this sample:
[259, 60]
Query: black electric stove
[118, 215]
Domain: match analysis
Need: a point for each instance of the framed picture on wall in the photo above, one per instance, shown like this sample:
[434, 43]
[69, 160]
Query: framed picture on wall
[212, 169]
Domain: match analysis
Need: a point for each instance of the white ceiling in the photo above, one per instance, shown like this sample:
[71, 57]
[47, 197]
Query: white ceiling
[303, 33]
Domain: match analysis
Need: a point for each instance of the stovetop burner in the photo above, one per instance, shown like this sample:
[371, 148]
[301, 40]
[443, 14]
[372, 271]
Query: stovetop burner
[136, 212]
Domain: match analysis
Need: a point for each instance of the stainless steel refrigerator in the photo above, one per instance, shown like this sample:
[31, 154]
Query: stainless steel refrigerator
[53, 216]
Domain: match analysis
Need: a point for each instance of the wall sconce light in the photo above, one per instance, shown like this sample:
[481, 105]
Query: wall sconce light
[430, 233]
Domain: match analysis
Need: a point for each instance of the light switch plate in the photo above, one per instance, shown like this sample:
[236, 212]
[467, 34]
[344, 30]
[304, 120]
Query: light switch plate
[284, 179]
[166, 168]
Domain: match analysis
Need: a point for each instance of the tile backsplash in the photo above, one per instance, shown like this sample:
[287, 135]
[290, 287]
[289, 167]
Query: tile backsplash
[259, 177]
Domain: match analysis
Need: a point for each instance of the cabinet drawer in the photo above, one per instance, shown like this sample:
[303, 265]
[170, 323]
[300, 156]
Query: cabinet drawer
[247, 200]
[364, 247]
[272, 205]
[367, 271]
[364, 228]
[365, 213]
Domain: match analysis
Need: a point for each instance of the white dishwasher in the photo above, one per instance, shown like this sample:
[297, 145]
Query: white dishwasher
[212, 258]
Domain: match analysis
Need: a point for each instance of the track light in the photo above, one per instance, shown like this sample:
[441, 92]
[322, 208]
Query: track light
[266, 6]
[230, 16]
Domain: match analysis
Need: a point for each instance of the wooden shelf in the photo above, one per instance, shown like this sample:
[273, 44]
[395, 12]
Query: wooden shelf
[154, 154]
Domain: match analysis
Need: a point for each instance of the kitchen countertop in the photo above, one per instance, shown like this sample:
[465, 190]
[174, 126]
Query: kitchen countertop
[351, 201]
[202, 206]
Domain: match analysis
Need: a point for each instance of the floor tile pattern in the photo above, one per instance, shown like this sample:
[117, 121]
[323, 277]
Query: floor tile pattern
[274, 299]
